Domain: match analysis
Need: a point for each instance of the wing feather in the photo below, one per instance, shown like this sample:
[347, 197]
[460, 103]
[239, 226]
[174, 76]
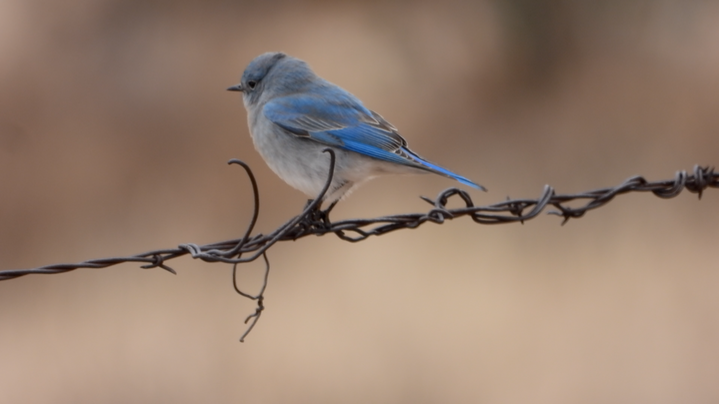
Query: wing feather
[349, 122]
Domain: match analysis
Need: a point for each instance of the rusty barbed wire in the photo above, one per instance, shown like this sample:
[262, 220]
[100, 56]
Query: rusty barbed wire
[315, 222]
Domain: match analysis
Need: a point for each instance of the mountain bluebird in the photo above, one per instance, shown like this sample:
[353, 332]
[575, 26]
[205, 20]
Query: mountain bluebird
[294, 115]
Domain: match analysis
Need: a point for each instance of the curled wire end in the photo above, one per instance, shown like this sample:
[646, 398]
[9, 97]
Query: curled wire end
[226, 254]
[443, 198]
[239, 162]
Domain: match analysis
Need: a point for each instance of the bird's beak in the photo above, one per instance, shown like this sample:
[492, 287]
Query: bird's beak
[237, 87]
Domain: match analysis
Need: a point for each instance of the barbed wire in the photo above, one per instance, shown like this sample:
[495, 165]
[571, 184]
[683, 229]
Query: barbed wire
[315, 222]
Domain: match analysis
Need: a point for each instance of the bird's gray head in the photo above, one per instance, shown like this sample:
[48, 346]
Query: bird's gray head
[273, 72]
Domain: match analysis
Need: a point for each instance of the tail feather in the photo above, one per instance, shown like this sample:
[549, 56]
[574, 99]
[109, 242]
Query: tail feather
[426, 165]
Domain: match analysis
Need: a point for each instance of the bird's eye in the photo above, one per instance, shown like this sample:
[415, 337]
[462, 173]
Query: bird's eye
[252, 84]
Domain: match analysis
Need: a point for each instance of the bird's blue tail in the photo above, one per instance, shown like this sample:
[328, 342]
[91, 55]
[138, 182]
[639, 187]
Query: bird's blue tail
[442, 171]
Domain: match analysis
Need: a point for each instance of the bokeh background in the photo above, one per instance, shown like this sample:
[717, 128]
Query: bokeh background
[115, 128]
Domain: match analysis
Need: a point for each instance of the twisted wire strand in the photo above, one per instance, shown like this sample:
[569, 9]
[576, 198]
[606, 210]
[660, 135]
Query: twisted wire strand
[315, 222]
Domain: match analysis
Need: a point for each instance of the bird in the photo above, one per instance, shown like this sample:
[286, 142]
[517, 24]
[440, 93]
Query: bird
[294, 115]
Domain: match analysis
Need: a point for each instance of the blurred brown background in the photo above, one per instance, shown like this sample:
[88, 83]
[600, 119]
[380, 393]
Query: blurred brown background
[114, 133]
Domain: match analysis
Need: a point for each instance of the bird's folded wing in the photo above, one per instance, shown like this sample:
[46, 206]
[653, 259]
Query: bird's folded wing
[340, 122]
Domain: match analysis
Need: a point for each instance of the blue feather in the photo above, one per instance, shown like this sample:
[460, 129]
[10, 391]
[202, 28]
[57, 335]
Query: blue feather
[340, 120]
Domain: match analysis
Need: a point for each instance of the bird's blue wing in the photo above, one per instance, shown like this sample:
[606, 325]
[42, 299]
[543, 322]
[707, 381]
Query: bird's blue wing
[342, 121]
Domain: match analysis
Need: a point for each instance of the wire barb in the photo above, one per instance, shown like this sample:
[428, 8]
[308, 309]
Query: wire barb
[315, 222]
